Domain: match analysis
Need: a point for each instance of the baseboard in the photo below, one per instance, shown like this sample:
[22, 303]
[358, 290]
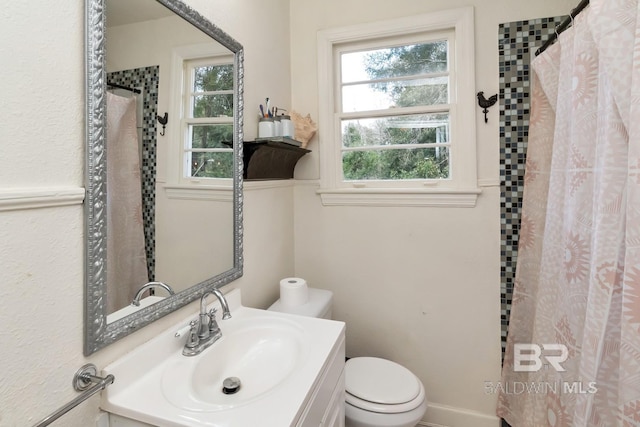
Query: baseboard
[448, 416]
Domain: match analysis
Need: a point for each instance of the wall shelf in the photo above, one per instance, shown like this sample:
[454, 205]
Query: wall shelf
[270, 159]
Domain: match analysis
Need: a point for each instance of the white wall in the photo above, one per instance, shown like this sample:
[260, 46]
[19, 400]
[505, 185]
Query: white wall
[418, 285]
[358, 252]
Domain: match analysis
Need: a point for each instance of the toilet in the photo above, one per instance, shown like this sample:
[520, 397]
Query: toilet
[380, 393]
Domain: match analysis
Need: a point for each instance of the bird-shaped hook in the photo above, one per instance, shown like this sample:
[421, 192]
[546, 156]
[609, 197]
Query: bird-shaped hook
[486, 103]
[163, 121]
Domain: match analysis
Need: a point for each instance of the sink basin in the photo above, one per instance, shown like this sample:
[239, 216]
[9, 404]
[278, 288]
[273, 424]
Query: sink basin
[277, 357]
[261, 353]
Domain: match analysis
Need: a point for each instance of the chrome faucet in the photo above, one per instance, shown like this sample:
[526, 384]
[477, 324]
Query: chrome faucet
[150, 285]
[205, 331]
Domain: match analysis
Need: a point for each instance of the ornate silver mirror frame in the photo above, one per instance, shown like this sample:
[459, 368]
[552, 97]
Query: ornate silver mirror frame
[99, 333]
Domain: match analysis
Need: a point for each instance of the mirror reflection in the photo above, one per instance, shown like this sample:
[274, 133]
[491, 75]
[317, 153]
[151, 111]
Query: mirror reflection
[164, 170]
[155, 235]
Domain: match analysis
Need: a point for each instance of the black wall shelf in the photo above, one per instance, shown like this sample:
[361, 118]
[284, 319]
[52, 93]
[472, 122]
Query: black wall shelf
[265, 160]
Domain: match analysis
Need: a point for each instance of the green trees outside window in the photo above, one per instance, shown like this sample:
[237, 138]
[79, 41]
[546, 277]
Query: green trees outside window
[210, 134]
[382, 136]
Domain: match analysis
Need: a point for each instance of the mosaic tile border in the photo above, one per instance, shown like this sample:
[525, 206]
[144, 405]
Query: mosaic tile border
[517, 42]
[146, 79]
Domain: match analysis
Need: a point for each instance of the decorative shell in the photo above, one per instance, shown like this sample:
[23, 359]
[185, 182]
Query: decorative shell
[304, 128]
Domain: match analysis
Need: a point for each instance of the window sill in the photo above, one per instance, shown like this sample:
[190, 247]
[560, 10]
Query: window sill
[465, 198]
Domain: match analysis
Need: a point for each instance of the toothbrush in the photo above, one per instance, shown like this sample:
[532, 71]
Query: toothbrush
[262, 111]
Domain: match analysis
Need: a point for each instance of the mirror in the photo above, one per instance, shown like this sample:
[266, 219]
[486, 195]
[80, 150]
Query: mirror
[191, 233]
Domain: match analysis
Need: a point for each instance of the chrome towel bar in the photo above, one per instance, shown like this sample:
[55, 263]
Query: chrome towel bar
[82, 380]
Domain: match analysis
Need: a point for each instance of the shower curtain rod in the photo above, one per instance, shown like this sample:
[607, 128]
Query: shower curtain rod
[130, 89]
[563, 26]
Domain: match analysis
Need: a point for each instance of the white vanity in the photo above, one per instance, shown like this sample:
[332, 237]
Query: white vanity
[290, 368]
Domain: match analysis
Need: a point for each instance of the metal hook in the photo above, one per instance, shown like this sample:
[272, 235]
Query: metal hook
[486, 103]
[163, 121]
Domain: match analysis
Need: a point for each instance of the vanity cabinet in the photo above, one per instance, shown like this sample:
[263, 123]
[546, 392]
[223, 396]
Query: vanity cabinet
[118, 421]
[326, 405]
[291, 369]
[334, 415]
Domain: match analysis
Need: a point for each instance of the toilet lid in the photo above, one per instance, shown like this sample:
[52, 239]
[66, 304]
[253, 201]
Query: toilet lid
[381, 385]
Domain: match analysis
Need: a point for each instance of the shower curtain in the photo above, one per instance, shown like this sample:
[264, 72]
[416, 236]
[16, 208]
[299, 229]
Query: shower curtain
[126, 257]
[573, 347]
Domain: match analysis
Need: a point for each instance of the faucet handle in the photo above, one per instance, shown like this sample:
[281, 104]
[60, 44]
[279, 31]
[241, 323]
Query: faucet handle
[193, 340]
[213, 324]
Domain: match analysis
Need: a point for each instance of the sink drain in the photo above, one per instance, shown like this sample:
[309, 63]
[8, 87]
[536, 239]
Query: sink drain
[231, 385]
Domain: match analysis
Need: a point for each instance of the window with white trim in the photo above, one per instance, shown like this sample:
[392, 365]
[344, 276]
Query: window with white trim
[397, 111]
[207, 122]
[393, 107]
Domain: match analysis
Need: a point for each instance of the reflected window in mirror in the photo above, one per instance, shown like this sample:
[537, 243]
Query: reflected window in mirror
[208, 118]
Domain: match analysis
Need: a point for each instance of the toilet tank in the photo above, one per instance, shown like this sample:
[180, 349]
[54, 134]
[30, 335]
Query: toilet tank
[318, 305]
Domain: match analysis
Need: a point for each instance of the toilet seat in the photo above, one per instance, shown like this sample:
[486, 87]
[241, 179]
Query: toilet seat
[383, 386]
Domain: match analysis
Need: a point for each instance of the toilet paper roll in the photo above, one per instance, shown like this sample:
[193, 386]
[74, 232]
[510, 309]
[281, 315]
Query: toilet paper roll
[293, 292]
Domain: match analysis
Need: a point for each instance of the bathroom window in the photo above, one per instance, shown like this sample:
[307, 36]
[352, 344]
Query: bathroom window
[207, 124]
[394, 110]
[397, 111]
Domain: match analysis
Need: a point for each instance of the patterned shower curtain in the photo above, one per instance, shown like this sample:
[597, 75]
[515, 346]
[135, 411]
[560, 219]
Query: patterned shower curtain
[573, 348]
[126, 256]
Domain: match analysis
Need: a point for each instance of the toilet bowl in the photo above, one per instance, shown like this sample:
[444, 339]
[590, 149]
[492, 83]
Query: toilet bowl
[379, 392]
[382, 393]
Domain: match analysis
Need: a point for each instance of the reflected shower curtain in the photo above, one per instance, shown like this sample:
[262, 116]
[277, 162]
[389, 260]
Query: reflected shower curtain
[573, 349]
[126, 257]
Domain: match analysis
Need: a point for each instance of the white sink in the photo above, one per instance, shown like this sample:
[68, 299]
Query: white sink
[277, 358]
[261, 352]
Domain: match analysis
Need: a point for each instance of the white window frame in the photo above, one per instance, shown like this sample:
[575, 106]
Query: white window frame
[178, 186]
[461, 190]
[187, 118]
